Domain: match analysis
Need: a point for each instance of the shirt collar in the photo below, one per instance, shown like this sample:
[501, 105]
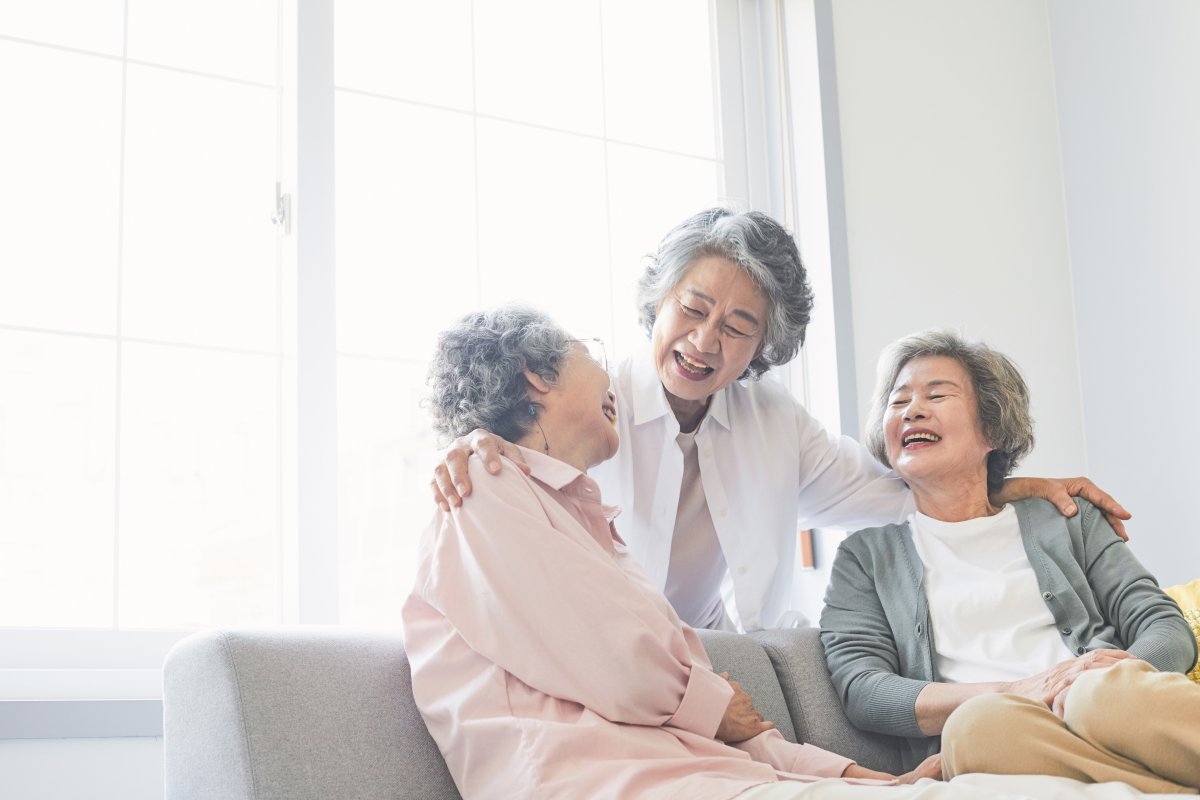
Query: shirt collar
[559, 475]
[650, 398]
[551, 471]
[718, 409]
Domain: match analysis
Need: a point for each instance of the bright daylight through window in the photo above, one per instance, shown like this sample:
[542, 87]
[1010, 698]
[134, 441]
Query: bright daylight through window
[483, 152]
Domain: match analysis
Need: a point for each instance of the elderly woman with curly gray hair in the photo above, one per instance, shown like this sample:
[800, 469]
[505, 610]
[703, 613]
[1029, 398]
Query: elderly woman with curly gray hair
[544, 662]
[1029, 642]
[719, 468]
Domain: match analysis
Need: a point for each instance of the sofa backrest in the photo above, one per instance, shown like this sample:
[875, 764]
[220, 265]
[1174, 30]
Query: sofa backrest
[296, 713]
[328, 713]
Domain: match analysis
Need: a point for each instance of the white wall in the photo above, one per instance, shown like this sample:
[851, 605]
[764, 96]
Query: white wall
[81, 769]
[1127, 74]
[954, 200]
[1029, 172]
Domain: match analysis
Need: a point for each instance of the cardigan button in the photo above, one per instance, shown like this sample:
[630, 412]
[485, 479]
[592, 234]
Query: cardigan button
[1047, 596]
[1080, 650]
[1066, 631]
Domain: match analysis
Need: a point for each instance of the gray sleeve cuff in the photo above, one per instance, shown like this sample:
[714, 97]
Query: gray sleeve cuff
[1172, 648]
[887, 703]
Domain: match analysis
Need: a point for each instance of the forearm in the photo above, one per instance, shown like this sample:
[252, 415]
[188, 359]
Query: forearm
[855, 771]
[804, 759]
[937, 701]
[842, 485]
[1014, 489]
[879, 700]
[1149, 622]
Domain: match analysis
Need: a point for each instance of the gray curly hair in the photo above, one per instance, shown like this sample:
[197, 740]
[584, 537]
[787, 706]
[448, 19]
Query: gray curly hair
[477, 377]
[761, 247]
[1001, 396]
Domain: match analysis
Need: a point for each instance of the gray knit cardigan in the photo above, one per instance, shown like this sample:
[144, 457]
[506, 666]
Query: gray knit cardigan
[876, 627]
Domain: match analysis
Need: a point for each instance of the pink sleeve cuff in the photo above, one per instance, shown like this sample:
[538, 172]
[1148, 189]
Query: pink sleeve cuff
[704, 702]
[769, 747]
[812, 760]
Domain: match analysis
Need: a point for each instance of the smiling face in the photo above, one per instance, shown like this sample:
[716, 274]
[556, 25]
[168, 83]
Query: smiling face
[707, 329]
[581, 411]
[931, 427]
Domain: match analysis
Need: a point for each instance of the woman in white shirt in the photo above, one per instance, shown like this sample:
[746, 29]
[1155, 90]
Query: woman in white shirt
[719, 469]
[1029, 642]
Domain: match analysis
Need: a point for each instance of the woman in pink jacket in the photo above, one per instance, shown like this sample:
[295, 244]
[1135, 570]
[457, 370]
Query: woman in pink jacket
[544, 662]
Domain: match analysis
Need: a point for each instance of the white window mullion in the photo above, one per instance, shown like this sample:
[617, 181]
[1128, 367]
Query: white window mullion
[116, 551]
[747, 55]
[826, 374]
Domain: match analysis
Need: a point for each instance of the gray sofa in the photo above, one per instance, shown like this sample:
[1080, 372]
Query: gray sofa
[328, 713]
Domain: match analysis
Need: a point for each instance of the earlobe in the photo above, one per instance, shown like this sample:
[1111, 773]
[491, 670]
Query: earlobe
[537, 382]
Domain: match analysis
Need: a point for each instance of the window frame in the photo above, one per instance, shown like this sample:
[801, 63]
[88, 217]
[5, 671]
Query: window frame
[63, 683]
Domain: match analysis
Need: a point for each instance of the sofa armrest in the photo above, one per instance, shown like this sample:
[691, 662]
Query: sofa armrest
[799, 662]
[746, 663]
[296, 713]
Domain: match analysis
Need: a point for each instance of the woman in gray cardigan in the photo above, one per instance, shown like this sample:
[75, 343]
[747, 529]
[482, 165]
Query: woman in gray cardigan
[1027, 641]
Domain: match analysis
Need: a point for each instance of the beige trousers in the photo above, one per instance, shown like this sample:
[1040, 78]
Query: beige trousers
[1127, 723]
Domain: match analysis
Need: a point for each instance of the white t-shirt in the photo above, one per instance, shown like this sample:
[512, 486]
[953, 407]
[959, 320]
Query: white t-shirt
[990, 622]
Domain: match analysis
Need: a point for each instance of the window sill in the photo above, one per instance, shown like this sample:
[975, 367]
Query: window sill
[80, 719]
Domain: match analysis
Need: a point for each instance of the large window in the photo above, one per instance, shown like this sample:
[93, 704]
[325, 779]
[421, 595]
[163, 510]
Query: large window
[150, 333]
[489, 152]
[140, 338]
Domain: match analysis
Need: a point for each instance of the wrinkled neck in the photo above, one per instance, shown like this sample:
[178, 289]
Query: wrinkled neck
[688, 413]
[954, 500]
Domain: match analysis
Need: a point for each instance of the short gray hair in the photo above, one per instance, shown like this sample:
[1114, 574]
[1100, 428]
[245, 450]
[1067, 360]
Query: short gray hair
[761, 247]
[477, 377]
[1001, 396]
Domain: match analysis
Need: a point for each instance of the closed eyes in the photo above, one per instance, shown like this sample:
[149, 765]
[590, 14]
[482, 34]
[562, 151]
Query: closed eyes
[696, 313]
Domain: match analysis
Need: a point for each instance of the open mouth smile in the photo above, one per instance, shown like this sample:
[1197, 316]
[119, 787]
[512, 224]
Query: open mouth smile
[691, 368]
[610, 413]
[920, 439]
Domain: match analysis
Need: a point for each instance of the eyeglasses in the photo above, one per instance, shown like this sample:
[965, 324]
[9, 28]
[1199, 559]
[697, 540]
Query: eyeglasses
[595, 351]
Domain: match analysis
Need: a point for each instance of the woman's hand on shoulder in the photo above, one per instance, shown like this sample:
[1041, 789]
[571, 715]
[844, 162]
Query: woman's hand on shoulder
[451, 481]
[1061, 492]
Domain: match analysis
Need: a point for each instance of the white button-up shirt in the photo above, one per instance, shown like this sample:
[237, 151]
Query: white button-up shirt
[768, 470]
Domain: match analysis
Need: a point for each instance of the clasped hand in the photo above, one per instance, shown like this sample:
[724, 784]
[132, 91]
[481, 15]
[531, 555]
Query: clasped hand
[742, 720]
[1051, 686]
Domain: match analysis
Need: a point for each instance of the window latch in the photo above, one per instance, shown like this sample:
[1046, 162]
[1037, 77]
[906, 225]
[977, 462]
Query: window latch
[283, 210]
